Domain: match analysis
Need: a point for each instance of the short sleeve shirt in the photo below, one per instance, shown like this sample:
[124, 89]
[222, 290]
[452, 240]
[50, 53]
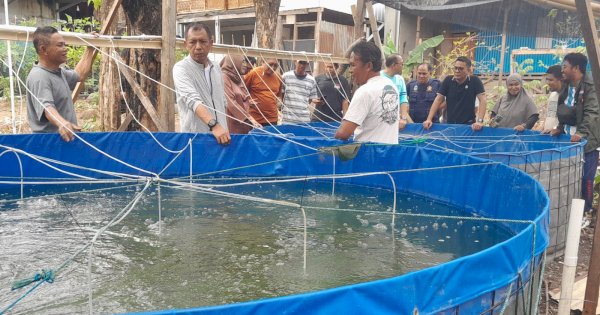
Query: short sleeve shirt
[421, 97]
[375, 109]
[50, 88]
[460, 99]
[398, 80]
[298, 93]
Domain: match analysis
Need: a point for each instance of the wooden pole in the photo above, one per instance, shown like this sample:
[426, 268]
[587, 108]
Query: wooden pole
[373, 22]
[418, 34]
[503, 46]
[359, 17]
[318, 39]
[144, 99]
[166, 103]
[84, 66]
[588, 28]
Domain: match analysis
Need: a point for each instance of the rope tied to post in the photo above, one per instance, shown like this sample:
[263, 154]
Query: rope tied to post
[45, 275]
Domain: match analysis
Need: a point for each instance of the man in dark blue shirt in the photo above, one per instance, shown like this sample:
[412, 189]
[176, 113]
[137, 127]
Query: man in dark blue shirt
[460, 92]
[422, 93]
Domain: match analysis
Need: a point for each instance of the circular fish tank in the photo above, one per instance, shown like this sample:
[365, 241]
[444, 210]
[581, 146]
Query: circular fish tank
[175, 224]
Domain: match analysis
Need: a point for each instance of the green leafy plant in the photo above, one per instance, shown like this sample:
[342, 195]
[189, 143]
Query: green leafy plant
[390, 46]
[417, 55]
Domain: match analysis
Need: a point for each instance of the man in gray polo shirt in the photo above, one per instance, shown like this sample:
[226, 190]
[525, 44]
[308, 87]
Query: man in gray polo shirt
[49, 103]
[199, 87]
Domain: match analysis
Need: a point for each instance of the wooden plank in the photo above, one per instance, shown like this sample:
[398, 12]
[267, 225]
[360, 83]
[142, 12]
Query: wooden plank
[154, 42]
[141, 95]
[359, 18]
[503, 45]
[125, 123]
[166, 101]
[577, 297]
[84, 66]
[318, 40]
[590, 35]
[374, 29]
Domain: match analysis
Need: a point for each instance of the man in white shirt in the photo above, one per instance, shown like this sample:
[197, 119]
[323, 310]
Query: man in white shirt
[373, 114]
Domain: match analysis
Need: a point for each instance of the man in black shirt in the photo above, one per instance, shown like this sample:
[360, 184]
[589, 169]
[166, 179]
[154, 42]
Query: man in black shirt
[334, 95]
[460, 91]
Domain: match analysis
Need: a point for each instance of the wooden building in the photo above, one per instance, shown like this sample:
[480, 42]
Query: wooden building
[309, 29]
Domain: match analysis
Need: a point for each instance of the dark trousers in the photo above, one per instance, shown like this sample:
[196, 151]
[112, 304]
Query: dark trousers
[590, 164]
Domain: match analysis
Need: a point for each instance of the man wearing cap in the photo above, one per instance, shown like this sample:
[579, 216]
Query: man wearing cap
[300, 89]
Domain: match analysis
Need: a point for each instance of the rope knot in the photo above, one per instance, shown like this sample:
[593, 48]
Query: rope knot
[45, 275]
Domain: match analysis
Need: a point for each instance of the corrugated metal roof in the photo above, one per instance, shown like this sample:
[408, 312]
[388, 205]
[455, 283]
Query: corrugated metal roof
[481, 14]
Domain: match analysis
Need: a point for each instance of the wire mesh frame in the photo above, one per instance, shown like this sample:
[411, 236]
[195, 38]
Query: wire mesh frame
[560, 173]
[522, 299]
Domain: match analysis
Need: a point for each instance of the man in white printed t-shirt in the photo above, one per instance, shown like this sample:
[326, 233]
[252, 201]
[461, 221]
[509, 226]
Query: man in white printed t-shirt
[373, 114]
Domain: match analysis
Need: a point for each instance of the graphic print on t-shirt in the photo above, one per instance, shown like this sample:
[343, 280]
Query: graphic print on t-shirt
[389, 103]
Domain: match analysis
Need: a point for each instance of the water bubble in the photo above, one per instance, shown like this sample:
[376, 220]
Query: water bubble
[422, 228]
[435, 226]
[476, 241]
[330, 239]
[371, 235]
[485, 227]
[380, 227]
[415, 229]
[441, 240]
[403, 233]
[345, 224]
[364, 222]
[280, 252]
[459, 223]
[444, 225]
[279, 263]
[225, 215]
[244, 248]
[474, 229]
[349, 230]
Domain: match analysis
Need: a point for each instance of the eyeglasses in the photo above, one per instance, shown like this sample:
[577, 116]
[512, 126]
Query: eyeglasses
[458, 69]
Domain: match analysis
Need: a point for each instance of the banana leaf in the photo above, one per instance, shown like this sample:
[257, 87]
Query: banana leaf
[416, 56]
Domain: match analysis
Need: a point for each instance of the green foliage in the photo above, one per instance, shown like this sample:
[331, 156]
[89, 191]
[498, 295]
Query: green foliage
[75, 53]
[524, 67]
[389, 47]
[417, 55]
[461, 47]
[96, 3]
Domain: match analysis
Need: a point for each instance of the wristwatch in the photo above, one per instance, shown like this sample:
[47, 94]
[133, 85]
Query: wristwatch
[211, 124]
[480, 120]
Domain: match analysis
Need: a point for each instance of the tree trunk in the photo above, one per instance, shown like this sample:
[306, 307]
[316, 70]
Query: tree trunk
[109, 96]
[266, 22]
[143, 17]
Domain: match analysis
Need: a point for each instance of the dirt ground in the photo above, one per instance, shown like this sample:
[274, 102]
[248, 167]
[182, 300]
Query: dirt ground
[87, 116]
[553, 272]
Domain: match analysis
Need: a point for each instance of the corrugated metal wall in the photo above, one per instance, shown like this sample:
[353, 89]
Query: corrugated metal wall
[487, 53]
